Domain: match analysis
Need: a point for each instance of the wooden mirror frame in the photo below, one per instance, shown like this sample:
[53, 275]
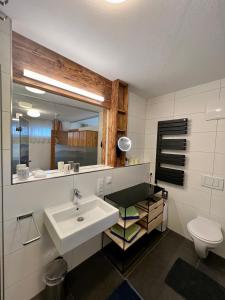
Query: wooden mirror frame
[27, 54]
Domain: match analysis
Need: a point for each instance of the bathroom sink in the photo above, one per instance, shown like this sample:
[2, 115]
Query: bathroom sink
[70, 228]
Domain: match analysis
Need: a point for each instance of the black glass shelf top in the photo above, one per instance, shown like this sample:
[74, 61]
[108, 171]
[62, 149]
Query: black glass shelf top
[134, 194]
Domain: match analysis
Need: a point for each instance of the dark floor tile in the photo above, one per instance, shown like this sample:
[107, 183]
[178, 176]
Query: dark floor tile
[40, 296]
[214, 267]
[149, 276]
[126, 261]
[96, 278]
[168, 294]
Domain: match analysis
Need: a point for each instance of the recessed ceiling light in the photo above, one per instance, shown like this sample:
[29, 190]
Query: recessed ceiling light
[24, 104]
[34, 113]
[115, 1]
[33, 90]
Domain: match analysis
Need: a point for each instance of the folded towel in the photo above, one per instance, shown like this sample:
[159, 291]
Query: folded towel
[130, 233]
[129, 213]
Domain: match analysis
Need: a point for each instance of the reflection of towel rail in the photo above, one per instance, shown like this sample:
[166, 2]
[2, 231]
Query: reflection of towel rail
[30, 215]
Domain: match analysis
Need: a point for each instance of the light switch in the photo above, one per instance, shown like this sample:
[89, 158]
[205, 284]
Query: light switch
[207, 181]
[218, 183]
[100, 187]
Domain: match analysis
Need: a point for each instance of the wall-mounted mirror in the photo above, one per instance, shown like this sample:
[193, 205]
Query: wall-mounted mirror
[48, 128]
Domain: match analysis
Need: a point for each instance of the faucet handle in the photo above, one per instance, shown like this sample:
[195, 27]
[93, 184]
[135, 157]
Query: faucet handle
[77, 193]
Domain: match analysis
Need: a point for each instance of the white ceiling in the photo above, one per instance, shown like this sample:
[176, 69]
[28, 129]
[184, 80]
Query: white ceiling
[53, 106]
[157, 46]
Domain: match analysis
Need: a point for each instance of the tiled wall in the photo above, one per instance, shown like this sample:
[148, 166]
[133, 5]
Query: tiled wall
[24, 266]
[136, 126]
[205, 154]
[5, 62]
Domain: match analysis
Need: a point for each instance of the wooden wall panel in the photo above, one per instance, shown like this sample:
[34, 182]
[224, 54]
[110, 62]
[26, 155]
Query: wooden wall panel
[30, 55]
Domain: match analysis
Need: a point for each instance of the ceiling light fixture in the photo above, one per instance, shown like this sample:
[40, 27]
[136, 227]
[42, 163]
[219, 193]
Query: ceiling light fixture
[34, 113]
[24, 104]
[34, 90]
[115, 1]
[59, 84]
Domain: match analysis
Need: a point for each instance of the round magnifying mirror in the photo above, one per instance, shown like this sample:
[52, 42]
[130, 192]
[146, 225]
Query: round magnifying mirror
[124, 144]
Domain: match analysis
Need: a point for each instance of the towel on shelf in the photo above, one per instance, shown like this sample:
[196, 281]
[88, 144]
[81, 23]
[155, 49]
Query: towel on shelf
[130, 233]
[129, 213]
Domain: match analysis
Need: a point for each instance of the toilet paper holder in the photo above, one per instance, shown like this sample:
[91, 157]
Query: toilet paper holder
[37, 237]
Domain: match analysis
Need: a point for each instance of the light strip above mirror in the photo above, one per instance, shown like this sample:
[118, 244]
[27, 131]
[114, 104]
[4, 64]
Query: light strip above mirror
[64, 86]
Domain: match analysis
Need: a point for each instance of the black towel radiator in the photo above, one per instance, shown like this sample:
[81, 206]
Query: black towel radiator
[170, 128]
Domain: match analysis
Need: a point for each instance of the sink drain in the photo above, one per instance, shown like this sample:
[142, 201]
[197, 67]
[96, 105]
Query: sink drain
[80, 219]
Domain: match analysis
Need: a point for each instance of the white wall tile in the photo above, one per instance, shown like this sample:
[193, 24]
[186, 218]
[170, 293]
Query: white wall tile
[87, 249]
[205, 155]
[5, 55]
[151, 125]
[34, 196]
[219, 164]
[195, 103]
[198, 89]
[218, 205]
[221, 125]
[223, 82]
[203, 142]
[193, 197]
[6, 136]
[179, 214]
[220, 142]
[6, 167]
[198, 123]
[150, 141]
[126, 177]
[193, 179]
[27, 288]
[87, 183]
[6, 96]
[136, 126]
[13, 238]
[28, 259]
[150, 155]
[200, 161]
[161, 106]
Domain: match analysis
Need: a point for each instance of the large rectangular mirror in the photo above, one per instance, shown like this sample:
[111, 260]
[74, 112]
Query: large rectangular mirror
[48, 128]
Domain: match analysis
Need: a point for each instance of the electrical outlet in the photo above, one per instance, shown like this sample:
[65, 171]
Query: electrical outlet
[108, 180]
[100, 187]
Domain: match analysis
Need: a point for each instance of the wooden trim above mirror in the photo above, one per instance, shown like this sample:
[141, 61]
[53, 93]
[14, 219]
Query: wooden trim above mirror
[27, 54]
[32, 56]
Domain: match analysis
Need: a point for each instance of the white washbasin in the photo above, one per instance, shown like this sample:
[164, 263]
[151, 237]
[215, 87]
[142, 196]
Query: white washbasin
[65, 229]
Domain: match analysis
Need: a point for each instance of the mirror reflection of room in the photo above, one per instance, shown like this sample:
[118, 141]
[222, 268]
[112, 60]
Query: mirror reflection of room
[47, 129]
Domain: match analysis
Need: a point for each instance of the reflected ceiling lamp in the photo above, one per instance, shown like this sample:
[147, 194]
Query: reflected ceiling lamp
[34, 90]
[34, 113]
[24, 104]
[61, 85]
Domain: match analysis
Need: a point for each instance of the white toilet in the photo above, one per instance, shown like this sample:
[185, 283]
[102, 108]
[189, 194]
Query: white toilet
[206, 234]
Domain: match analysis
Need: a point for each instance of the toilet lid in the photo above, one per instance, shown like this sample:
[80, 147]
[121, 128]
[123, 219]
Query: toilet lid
[206, 230]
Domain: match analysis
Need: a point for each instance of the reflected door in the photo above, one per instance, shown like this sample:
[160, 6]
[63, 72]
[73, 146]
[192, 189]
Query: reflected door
[24, 141]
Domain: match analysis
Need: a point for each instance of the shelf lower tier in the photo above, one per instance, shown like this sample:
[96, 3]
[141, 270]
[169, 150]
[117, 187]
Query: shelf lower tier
[121, 243]
[128, 223]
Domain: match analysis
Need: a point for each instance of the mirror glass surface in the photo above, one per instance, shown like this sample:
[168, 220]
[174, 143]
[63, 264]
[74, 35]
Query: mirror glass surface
[47, 128]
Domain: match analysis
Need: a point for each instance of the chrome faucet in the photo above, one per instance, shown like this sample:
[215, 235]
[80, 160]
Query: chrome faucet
[76, 196]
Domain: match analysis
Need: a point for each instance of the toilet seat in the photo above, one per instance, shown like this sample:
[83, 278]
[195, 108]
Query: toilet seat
[205, 230]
